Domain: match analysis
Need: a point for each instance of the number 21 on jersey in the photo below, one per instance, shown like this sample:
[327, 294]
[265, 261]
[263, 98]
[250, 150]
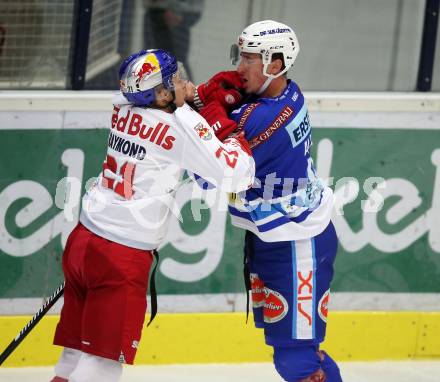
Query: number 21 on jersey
[120, 181]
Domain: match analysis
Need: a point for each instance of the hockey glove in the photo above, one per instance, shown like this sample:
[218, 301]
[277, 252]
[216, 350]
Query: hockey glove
[228, 79]
[216, 116]
[223, 87]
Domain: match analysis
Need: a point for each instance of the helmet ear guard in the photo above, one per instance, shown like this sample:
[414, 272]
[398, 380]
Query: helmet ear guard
[267, 38]
[140, 73]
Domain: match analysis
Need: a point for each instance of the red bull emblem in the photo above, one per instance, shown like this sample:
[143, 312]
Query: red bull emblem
[146, 69]
[257, 286]
[203, 131]
[275, 306]
[240, 41]
[323, 305]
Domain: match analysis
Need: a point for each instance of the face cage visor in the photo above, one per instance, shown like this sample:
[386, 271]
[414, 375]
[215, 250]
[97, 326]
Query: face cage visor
[182, 73]
[234, 54]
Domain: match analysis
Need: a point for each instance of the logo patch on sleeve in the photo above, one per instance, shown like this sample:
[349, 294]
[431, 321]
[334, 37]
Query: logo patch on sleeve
[203, 132]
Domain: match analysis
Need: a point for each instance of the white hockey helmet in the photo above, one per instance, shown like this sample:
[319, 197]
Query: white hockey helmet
[266, 38]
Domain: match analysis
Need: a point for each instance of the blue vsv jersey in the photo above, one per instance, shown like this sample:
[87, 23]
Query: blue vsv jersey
[287, 201]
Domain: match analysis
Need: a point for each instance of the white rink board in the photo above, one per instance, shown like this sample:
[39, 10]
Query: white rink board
[92, 109]
[236, 302]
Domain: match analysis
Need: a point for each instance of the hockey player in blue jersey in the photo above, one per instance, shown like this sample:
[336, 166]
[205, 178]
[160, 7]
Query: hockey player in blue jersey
[291, 243]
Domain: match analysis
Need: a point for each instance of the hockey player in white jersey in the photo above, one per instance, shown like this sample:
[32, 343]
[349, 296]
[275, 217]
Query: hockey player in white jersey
[154, 137]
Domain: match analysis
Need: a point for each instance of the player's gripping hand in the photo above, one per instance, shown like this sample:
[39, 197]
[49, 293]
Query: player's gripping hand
[216, 116]
[183, 91]
[179, 91]
[223, 87]
[228, 79]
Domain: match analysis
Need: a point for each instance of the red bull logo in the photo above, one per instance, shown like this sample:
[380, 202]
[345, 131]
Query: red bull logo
[275, 306]
[203, 131]
[150, 65]
[323, 305]
[146, 69]
[258, 296]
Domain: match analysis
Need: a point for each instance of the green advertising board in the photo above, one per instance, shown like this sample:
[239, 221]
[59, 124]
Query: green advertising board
[387, 215]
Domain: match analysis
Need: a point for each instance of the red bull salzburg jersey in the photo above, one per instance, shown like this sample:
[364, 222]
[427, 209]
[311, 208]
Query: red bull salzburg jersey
[148, 151]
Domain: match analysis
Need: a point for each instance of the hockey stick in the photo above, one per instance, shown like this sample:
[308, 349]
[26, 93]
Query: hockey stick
[31, 324]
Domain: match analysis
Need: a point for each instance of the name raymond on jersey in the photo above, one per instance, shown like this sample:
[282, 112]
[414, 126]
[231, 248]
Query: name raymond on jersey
[131, 124]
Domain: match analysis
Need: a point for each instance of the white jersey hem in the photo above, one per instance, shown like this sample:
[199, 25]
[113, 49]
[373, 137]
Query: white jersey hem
[312, 226]
[109, 236]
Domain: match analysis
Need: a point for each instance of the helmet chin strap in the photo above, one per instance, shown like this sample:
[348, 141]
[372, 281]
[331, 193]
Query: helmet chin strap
[265, 85]
[269, 78]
